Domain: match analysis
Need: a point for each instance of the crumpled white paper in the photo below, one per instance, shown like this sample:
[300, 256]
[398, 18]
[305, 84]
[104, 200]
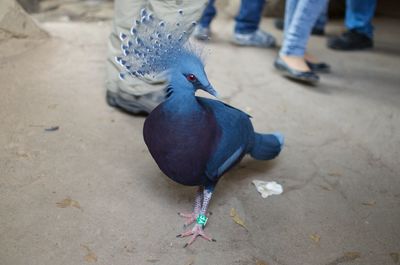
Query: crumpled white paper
[267, 188]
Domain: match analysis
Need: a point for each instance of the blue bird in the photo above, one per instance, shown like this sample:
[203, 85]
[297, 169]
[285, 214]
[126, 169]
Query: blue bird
[194, 140]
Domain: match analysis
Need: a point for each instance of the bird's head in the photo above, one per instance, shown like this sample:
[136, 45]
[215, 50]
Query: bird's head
[154, 47]
[187, 75]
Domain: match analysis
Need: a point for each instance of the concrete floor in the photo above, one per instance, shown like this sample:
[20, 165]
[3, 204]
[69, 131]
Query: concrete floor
[91, 193]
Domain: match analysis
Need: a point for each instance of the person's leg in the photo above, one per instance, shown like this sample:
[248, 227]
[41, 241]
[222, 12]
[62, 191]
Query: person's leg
[359, 14]
[300, 17]
[359, 34]
[246, 31]
[202, 31]
[249, 16]
[133, 94]
[290, 8]
[319, 27]
[208, 14]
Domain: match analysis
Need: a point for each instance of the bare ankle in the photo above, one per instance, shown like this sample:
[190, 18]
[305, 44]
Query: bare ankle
[296, 62]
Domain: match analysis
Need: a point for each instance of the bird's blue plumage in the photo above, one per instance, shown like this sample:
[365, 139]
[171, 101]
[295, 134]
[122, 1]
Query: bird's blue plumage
[193, 140]
[235, 140]
[181, 137]
[196, 140]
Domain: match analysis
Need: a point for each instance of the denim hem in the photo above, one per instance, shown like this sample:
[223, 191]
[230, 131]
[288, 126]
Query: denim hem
[363, 31]
[245, 31]
[297, 53]
[204, 24]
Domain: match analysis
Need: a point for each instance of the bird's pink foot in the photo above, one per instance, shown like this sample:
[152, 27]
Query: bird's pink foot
[196, 231]
[191, 217]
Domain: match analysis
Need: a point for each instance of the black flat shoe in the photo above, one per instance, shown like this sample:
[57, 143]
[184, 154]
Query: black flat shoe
[279, 23]
[319, 67]
[308, 76]
[350, 41]
[317, 32]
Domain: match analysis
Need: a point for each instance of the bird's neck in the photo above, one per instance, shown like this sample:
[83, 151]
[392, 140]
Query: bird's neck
[180, 101]
[181, 94]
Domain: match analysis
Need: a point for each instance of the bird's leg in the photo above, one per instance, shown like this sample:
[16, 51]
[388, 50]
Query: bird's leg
[191, 217]
[198, 229]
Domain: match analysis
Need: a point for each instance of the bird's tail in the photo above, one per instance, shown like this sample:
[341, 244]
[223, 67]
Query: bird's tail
[267, 146]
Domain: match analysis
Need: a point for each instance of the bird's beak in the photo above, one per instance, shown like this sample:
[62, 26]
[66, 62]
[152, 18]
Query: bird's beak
[211, 90]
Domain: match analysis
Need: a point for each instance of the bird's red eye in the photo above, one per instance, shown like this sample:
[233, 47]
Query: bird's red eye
[191, 78]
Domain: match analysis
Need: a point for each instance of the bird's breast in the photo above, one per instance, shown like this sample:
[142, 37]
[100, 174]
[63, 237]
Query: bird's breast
[181, 143]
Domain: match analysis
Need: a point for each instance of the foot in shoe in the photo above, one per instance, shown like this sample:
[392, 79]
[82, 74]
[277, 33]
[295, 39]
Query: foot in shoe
[295, 68]
[308, 57]
[296, 62]
[202, 33]
[316, 65]
[257, 38]
[350, 40]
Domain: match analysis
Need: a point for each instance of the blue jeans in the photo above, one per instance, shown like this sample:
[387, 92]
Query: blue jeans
[247, 20]
[323, 18]
[249, 16]
[208, 14]
[359, 14]
[300, 17]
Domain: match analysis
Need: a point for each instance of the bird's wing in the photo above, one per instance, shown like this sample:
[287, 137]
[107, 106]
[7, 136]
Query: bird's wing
[229, 106]
[230, 161]
[233, 139]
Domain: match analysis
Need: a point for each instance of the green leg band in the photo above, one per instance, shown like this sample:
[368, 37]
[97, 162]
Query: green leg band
[202, 220]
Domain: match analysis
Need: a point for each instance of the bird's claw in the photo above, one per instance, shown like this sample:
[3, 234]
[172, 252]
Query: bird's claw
[190, 218]
[196, 231]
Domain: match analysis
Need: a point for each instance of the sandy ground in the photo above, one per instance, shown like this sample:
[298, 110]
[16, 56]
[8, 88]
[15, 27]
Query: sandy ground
[89, 193]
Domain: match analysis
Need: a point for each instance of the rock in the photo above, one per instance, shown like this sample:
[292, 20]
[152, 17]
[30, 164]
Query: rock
[16, 23]
[30, 6]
